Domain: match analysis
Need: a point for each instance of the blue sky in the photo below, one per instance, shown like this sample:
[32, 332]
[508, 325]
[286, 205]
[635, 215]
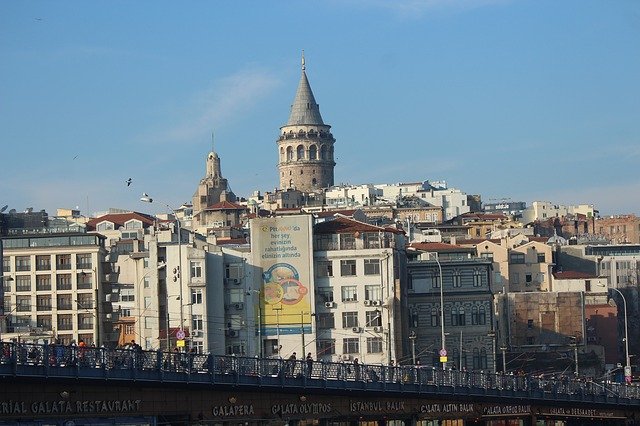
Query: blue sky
[527, 100]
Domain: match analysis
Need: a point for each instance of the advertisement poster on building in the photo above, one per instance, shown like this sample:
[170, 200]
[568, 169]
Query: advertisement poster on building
[282, 248]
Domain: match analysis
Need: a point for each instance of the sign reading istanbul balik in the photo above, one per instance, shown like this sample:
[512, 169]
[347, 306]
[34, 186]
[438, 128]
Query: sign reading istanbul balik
[282, 247]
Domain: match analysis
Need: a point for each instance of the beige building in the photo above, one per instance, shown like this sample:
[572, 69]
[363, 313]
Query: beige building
[530, 267]
[55, 287]
[620, 229]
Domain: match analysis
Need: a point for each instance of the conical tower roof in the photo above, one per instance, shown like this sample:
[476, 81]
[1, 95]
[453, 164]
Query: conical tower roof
[304, 110]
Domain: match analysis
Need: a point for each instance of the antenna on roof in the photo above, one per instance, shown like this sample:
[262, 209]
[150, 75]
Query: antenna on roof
[212, 142]
[303, 66]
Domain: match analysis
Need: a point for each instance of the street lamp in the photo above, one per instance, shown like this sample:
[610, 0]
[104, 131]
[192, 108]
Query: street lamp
[627, 368]
[412, 337]
[146, 199]
[443, 350]
[504, 358]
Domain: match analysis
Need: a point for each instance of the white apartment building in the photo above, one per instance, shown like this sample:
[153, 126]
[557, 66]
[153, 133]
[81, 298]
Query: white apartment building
[55, 288]
[351, 196]
[453, 201]
[542, 210]
[357, 291]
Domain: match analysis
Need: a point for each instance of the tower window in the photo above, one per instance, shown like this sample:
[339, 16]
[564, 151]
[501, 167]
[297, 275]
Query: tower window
[300, 152]
[313, 152]
[301, 172]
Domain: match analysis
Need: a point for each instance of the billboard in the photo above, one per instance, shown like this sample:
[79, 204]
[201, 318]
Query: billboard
[282, 247]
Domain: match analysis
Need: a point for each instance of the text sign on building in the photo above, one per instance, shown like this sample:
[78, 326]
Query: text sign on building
[282, 247]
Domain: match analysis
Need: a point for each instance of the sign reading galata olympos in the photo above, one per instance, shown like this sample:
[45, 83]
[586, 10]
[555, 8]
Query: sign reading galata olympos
[283, 248]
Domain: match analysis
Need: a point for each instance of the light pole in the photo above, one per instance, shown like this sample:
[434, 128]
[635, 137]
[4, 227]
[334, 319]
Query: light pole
[146, 199]
[627, 368]
[504, 358]
[574, 344]
[412, 337]
[443, 350]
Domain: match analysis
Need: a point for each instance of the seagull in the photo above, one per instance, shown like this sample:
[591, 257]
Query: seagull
[128, 181]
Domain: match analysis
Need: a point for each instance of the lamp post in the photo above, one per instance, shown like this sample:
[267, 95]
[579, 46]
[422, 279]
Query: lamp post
[146, 199]
[627, 368]
[443, 350]
[412, 337]
[504, 358]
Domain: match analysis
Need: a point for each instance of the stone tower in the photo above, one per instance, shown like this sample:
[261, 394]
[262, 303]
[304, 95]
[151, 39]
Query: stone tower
[305, 145]
[212, 189]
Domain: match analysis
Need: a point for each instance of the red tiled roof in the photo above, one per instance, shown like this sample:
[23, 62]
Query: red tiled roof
[231, 241]
[572, 275]
[119, 219]
[344, 225]
[476, 241]
[225, 205]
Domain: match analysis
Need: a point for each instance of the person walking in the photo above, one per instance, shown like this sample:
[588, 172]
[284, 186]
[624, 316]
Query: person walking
[309, 361]
[291, 367]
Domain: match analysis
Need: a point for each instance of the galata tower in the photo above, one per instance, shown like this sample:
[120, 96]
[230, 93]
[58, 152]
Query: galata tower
[305, 145]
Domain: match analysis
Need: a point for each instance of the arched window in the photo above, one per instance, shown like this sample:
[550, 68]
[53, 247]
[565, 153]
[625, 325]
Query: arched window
[454, 316]
[290, 183]
[313, 152]
[474, 316]
[323, 152]
[289, 153]
[483, 359]
[457, 278]
[482, 316]
[477, 363]
[300, 152]
[282, 157]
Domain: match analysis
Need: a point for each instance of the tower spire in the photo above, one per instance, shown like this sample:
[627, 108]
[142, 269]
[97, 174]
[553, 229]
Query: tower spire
[303, 65]
[212, 142]
[304, 110]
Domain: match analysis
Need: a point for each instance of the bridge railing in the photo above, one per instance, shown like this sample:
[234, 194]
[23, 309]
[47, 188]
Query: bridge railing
[124, 363]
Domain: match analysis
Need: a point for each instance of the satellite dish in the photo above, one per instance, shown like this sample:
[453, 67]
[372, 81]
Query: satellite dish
[6, 206]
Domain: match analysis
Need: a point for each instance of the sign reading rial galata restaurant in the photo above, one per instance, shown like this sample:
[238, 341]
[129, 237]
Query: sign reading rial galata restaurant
[282, 247]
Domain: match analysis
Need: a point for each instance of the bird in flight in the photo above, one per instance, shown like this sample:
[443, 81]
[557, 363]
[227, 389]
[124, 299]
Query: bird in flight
[128, 181]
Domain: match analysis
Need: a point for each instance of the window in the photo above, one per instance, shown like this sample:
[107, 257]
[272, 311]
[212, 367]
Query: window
[349, 319]
[148, 322]
[43, 282]
[587, 285]
[527, 279]
[477, 278]
[23, 303]
[487, 255]
[371, 240]
[462, 318]
[325, 320]
[372, 266]
[196, 270]
[84, 281]
[326, 347]
[349, 293]
[435, 280]
[236, 295]
[43, 263]
[63, 282]
[542, 258]
[529, 323]
[350, 346]
[83, 261]
[23, 263]
[44, 322]
[474, 316]
[85, 321]
[435, 317]
[125, 313]
[515, 278]
[146, 282]
[6, 264]
[347, 242]
[300, 152]
[482, 315]
[457, 278]
[133, 224]
[147, 302]
[23, 283]
[454, 316]
[127, 295]
[85, 301]
[324, 268]
[104, 226]
[414, 318]
[325, 294]
[372, 292]
[373, 319]
[516, 258]
[63, 261]
[65, 322]
[234, 271]
[197, 323]
[196, 296]
[374, 345]
[43, 303]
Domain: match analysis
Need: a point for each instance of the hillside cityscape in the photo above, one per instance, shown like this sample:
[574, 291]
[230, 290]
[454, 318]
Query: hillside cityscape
[409, 273]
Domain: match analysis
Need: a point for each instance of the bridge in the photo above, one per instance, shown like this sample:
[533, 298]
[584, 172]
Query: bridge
[66, 385]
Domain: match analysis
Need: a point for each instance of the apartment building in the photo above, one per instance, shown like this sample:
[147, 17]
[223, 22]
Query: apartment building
[55, 287]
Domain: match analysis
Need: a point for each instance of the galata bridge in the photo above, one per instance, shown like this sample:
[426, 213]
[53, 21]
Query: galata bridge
[70, 386]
